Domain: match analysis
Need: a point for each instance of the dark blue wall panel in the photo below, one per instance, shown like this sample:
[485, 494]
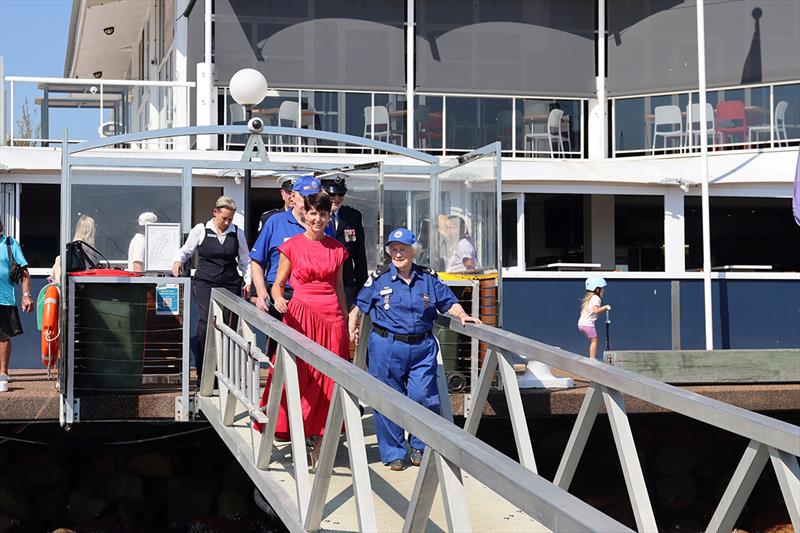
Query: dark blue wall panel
[747, 313]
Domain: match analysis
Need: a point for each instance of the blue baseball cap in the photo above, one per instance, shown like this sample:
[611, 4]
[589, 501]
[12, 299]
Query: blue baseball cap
[401, 235]
[306, 185]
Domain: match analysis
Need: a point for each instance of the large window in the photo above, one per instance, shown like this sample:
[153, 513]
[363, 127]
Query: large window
[744, 231]
[639, 233]
[39, 222]
[737, 117]
[554, 229]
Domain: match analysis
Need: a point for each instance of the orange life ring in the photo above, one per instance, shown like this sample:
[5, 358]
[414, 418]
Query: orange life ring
[51, 344]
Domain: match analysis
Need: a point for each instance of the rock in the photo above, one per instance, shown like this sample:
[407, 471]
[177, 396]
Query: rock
[84, 506]
[780, 528]
[188, 499]
[231, 504]
[151, 464]
[14, 500]
[675, 493]
[64, 530]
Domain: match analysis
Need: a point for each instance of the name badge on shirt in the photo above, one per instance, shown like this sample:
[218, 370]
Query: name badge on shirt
[385, 291]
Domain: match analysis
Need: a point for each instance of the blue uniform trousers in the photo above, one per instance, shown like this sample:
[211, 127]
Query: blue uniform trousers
[411, 370]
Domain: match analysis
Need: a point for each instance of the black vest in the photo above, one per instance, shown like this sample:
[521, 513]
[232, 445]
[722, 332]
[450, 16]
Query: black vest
[216, 263]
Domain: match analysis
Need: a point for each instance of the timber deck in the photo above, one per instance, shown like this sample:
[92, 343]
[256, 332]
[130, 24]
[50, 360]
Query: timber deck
[32, 398]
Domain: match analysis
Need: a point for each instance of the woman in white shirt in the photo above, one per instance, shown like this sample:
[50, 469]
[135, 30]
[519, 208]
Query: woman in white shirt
[222, 260]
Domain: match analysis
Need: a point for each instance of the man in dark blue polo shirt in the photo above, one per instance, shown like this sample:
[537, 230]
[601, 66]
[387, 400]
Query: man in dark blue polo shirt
[278, 229]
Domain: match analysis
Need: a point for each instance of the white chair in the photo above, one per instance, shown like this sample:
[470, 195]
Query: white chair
[780, 125]
[236, 118]
[693, 124]
[379, 130]
[552, 135]
[668, 125]
[288, 117]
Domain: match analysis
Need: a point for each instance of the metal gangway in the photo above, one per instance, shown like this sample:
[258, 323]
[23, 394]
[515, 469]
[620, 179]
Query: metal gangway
[462, 484]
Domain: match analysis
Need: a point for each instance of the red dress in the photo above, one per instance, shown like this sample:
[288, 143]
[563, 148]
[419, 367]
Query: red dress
[313, 311]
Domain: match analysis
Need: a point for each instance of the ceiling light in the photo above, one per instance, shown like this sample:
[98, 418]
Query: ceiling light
[98, 74]
[109, 30]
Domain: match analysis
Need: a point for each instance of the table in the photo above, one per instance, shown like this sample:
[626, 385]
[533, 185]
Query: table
[568, 266]
[742, 268]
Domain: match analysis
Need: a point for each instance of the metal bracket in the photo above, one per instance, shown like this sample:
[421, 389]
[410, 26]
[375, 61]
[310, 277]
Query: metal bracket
[184, 414]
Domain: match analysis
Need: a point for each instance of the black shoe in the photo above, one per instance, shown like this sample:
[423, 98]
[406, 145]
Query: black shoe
[416, 457]
[397, 465]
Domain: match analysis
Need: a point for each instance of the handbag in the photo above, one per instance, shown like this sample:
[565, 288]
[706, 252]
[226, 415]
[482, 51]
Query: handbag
[77, 260]
[14, 270]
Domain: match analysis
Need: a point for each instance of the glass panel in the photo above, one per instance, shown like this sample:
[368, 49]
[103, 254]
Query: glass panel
[428, 112]
[363, 193]
[112, 212]
[510, 256]
[395, 211]
[467, 218]
[40, 210]
[282, 110]
[740, 116]
[540, 133]
[787, 114]
[744, 231]
[390, 118]
[553, 229]
[475, 122]
[651, 124]
[639, 233]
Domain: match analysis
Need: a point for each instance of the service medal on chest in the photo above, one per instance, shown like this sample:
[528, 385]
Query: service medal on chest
[426, 300]
[349, 235]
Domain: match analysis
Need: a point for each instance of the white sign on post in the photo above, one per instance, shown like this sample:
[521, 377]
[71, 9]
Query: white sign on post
[161, 243]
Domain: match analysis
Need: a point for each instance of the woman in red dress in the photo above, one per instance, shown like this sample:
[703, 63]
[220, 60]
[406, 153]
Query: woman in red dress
[317, 310]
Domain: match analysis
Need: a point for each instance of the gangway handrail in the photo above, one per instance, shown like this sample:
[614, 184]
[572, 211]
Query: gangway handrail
[755, 426]
[542, 500]
[770, 440]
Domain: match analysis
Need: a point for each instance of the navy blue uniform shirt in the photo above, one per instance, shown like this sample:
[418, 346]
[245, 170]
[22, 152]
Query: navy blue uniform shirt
[413, 307]
[278, 229]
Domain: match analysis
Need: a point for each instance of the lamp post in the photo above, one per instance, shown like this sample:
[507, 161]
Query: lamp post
[248, 87]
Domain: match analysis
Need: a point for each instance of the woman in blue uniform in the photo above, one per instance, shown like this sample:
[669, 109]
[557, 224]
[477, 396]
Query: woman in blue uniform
[222, 253]
[403, 300]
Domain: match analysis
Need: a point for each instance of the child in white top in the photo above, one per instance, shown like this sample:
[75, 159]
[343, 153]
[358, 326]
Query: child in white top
[590, 308]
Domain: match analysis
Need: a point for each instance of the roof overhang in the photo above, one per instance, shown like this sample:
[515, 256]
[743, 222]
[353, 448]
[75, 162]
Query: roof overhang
[90, 50]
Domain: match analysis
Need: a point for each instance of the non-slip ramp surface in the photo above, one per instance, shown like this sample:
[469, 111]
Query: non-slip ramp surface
[391, 491]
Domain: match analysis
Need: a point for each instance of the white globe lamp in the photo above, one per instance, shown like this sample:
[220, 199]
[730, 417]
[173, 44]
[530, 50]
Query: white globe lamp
[248, 87]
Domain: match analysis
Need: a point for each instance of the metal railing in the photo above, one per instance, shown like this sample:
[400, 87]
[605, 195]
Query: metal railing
[233, 360]
[769, 438]
[95, 108]
[770, 118]
[104, 373]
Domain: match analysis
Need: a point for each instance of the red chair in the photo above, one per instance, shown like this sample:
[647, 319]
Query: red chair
[731, 121]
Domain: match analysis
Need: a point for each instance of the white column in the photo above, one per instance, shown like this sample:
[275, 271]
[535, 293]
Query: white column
[674, 237]
[701, 75]
[206, 92]
[597, 137]
[2, 104]
[601, 234]
[236, 191]
[410, 80]
[180, 95]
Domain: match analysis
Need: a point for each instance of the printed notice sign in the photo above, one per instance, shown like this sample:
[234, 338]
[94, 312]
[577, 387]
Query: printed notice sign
[167, 299]
[162, 242]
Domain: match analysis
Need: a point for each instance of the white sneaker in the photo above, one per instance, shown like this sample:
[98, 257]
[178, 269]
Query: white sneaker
[3, 386]
[5, 377]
